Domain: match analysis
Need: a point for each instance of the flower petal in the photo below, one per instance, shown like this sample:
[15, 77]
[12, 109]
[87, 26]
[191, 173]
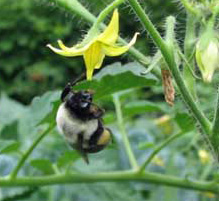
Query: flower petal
[63, 47]
[68, 52]
[93, 58]
[111, 33]
[112, 51]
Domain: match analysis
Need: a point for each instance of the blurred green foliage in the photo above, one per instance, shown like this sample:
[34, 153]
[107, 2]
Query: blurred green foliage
[145, 130]
[28, 68]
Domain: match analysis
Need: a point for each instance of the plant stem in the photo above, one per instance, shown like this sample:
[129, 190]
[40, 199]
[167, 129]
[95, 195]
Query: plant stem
[121, 125]
[168, 55]
[120, 176]
[76, 7]
[189, 43]
[158, 149]
[170, 34]
[190, 8]
[215, 129]
[107, 10]
[22, 160]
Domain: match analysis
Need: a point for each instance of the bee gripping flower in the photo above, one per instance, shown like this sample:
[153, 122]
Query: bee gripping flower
[96, 46]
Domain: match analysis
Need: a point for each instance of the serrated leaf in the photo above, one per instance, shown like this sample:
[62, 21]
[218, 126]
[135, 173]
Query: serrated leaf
[43, 165]
[67, 158]
[11, 147]
[115, 78]
[184, 121]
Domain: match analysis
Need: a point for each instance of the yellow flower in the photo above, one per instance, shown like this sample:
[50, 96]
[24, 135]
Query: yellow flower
[95, 47]
[158, 161]
[209, 194]
[165, 124]
[204, 156]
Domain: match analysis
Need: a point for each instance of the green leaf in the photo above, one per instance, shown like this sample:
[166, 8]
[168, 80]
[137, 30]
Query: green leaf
[38, 112]
[67, 158]
[43, 165]
[50, 118]
[115, 78]
[10, 131]
[146, 145]
[139, 107]
[42, 106]
[185, 122]
[10, 147]
[10, 110]
[134, 108]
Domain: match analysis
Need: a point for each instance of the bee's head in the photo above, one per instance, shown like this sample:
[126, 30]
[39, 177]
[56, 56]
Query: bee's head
[80, 100]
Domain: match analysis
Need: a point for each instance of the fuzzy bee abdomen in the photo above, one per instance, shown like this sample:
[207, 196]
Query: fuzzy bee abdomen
[71, 127]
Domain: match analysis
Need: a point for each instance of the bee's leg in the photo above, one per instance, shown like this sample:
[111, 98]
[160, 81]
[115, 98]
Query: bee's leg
[85, 157]
[96, 112]
[65, 91]
[80, 148]
[96, 135]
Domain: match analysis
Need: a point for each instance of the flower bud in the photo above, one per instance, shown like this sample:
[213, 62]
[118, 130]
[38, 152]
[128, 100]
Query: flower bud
[207, 57]
[204, 156]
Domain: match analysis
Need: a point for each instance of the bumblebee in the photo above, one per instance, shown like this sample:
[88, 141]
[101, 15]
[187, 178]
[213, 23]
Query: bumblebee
[79, 120]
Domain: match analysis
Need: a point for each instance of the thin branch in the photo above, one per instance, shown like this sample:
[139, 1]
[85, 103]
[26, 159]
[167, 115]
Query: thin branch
[190, 8]
[215, 129]
[120, 176]
[189, 47]
[121, 125]
[158, 149]
[107, 10]
[22, 160]
[188, 65]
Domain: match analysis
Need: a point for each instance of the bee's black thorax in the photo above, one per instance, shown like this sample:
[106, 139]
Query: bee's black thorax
[80, 105]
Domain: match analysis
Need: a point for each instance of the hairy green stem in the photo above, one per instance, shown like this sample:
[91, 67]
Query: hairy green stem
[190, 68]
[22, 160]
[120, 176]
[121, 125]
[107, 10]
[170, 34]
[189, 43]
[75, 7]
[168, 55]
[158, 149]
[215, 129]
[190, 8]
